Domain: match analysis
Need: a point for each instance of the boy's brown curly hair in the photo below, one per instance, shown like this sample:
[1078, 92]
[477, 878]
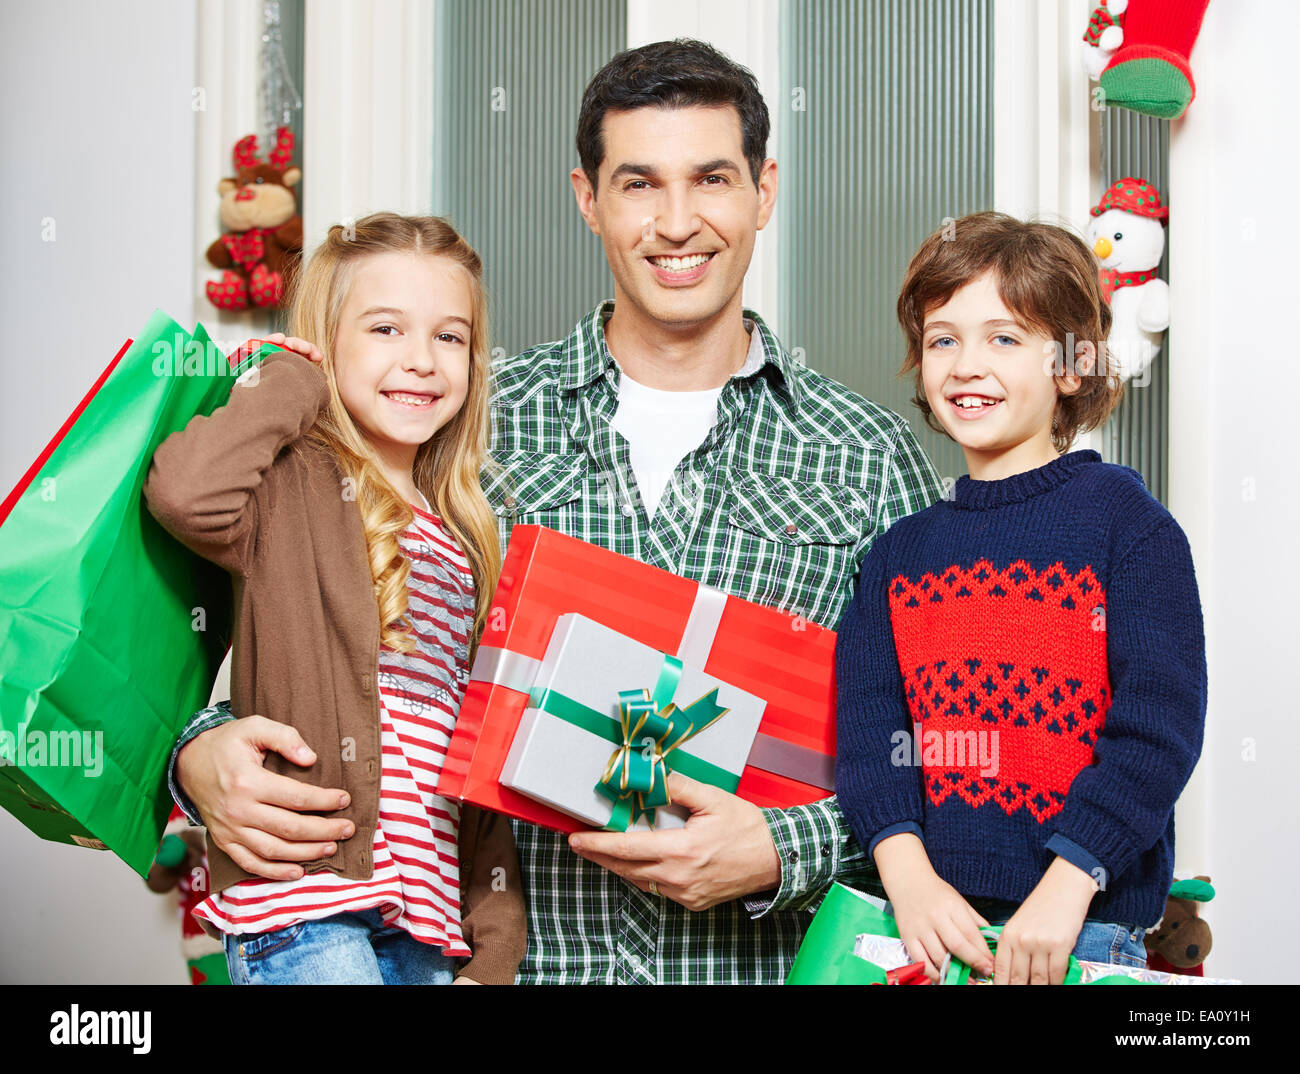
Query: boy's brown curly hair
[1047, 277]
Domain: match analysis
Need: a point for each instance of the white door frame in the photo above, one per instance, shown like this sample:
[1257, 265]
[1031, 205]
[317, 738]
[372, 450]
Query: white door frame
[368, 112]
[225, 109]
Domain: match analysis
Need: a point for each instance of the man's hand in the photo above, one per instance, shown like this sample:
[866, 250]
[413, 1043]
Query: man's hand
[254, 815]
[725, 851]
[1035, 944]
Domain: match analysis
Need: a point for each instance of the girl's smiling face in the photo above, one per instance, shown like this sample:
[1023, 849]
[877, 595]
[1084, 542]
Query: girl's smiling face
[402, 350]
[988, 379]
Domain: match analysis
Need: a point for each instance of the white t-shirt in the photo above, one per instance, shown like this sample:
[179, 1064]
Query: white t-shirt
[662, 428]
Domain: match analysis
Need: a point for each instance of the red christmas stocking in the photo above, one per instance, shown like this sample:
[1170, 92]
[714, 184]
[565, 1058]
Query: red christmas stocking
[1150, 73]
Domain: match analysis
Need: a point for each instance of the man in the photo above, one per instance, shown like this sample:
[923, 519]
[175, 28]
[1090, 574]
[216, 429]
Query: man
[672, 427]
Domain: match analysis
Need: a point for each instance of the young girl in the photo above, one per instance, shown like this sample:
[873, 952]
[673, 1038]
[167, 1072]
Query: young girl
[340, 488]
[1041, 630]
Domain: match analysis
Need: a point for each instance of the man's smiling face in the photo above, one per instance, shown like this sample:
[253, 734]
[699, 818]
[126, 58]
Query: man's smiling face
[677, 210]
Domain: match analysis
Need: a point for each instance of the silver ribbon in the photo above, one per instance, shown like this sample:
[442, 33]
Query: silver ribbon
[701, 626]
[502, 667]
[797, 762]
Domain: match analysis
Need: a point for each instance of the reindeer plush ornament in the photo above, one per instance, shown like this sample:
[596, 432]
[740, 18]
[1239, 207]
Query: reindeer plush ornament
[263, 237]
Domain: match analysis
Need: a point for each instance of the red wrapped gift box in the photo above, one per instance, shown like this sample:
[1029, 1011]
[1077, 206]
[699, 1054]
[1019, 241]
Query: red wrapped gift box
[782, 658]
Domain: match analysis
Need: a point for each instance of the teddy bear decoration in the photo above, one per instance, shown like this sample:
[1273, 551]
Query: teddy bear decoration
[1181, 939]
[263, 231]
[181, 865]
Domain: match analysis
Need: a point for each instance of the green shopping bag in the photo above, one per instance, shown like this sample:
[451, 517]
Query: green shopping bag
[111, 632]
[826, 954]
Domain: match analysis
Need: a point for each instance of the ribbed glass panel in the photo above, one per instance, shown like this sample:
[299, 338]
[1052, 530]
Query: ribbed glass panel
[1137, 434]
[509, 80]
[292, 20]
[292, 27]
[897, 134]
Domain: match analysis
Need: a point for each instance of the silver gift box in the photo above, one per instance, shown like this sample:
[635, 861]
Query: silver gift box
[560, 764]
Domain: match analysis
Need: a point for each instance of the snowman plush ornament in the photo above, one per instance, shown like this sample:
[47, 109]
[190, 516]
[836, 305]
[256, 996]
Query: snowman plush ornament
[1104, 36]
[1128, 237]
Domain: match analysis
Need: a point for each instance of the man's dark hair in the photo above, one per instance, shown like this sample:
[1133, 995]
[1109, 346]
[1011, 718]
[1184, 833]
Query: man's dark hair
[671, 74]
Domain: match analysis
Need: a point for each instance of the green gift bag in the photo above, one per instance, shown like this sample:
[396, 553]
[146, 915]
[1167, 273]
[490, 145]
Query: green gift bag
[111, 632]
[826, 954]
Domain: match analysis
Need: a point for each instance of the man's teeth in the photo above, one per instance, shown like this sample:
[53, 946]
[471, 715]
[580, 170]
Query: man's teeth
[971, 402]
[410, 400]
[681, 264]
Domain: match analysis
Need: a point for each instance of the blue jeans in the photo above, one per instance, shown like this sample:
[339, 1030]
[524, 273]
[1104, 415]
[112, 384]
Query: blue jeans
[355, 947]
[1106, 941]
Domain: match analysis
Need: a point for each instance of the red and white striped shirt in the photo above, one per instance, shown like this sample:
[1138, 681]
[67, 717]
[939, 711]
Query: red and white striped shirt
[416, 880]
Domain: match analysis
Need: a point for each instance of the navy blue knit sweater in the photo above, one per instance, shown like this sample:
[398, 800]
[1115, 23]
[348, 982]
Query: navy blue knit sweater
[1021, 675]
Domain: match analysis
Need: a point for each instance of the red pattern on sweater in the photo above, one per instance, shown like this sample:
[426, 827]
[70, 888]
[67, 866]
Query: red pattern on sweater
[1010, 650]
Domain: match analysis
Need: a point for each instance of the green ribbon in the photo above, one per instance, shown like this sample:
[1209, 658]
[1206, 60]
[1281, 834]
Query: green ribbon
[956, 972]
[649, 732]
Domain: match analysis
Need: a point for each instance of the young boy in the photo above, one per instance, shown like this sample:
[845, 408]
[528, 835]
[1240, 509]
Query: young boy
[1041, 629]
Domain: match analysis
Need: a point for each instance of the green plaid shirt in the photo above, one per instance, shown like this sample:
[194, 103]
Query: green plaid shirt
[777, 505]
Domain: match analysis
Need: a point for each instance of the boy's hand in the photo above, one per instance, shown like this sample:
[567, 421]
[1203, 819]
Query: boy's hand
[1035, 944]
[299, 346]
[933, 919]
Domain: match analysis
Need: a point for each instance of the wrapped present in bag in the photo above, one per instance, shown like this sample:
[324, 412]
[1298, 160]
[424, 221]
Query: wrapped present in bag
[954, 971]
[854, 941]
[747, 651]
[111, 633]
[827, 954]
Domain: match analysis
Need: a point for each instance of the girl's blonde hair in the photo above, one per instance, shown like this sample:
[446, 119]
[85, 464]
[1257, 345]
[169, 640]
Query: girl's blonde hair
[447, 466]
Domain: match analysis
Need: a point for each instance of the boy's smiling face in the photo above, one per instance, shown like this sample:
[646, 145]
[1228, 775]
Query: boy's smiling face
[677, 210]
[988, 379]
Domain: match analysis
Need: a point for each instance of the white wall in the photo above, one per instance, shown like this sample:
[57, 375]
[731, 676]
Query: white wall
[97, 136]
[1234, 281]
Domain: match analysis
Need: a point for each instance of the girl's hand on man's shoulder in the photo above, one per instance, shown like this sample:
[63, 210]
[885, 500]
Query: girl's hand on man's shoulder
[299, 346]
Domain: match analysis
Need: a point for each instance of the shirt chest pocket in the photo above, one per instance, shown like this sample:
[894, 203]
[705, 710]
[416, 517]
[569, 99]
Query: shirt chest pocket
[792, 544]
[535, 488]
